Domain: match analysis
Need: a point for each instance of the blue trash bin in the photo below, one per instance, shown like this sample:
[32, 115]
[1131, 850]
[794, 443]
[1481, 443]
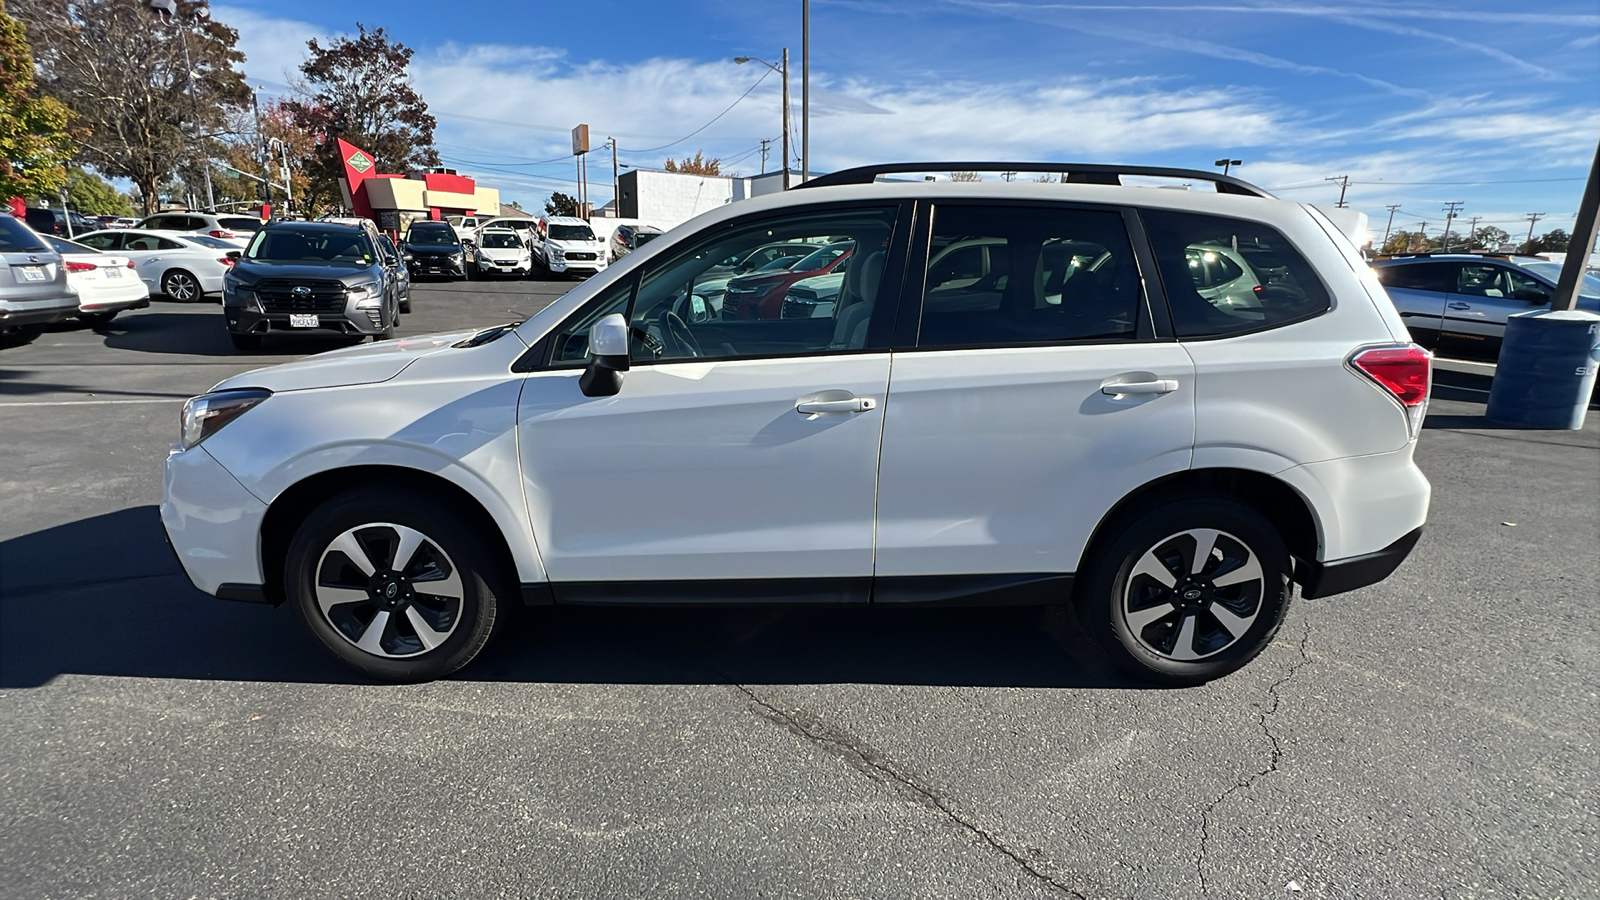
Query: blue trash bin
[1546, 372]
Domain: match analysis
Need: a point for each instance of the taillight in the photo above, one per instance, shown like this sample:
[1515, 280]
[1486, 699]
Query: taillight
[1404, 370]
[81, 267]
[228, 261]
[219, 233]
[130, 264]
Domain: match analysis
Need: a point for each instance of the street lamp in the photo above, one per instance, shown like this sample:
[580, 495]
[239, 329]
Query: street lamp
[1226, 163]
[784, 71]
[168, 10]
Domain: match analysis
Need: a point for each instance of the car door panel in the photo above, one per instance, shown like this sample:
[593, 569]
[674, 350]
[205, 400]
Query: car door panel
[705, 471]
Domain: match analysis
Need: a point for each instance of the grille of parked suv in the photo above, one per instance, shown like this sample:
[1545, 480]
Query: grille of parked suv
[581, 255]
[277, 295]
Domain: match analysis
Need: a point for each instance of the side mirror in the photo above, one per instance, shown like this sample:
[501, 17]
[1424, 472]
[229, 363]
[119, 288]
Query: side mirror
[608, 350]
[699, 309]
[390, 260]
[1532, 295]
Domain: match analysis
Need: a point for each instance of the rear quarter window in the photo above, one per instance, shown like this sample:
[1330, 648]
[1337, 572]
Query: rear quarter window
[1227, 276]
[1419, 276]
[16, 238]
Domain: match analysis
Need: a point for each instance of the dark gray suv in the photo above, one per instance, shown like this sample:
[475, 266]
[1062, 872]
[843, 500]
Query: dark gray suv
[307, 277]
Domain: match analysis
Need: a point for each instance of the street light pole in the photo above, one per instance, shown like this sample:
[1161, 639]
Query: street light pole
[169, 9]
[805, 93]
[1226, 163]
[784, 71]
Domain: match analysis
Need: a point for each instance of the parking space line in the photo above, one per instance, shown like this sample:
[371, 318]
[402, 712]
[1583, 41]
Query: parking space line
[90, 402]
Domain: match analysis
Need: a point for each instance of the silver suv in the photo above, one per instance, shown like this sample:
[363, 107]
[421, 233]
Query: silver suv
[33, 284]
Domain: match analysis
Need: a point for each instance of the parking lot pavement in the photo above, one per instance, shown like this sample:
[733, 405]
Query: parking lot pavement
[1432, 735]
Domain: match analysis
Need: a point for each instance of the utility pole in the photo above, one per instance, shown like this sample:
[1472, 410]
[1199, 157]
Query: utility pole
[261, 152]
[1472, 230]
[1386, 228]
[786, 118]
[1451, 207]
[1344, 182]
[764, 143]
[1422, 235]
[616, 182]
[1532, 218]
[805, 94]
[167, 11]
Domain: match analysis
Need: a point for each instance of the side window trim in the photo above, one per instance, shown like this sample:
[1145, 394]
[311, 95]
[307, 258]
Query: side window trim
[909, 323]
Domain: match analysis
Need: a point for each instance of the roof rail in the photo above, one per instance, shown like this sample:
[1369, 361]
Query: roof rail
[1076, 173]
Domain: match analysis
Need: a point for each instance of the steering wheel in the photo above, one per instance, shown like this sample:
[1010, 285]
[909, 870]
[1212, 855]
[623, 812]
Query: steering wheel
[675, 332]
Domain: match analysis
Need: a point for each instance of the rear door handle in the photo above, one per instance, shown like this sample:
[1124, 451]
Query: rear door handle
[1159, 386]
[852, 405]
[1459, 305]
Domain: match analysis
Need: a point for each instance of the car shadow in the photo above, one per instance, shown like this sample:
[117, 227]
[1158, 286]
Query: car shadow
[201, 335]
[106, 596]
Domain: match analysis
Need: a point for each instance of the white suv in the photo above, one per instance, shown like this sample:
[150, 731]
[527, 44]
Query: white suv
[567, 246]
[1063, 419]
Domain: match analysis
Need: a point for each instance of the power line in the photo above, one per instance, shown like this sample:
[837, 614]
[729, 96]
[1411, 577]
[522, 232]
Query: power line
[713, 120]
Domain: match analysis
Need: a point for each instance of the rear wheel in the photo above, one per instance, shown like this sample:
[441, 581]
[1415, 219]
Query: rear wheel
[96, 320]
[395, 584]
[1187, 591]
[181, 286]
[17, 335]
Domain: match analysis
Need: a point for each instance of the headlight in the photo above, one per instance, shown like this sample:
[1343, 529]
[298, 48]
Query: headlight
[456, 256]
[368, 294]
[558, 253]
[205, 415]
[236, 294]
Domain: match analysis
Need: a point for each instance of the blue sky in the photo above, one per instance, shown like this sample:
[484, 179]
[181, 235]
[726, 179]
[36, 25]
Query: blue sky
[1418, 104]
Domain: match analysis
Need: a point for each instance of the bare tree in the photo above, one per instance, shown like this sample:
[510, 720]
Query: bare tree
[965, 176]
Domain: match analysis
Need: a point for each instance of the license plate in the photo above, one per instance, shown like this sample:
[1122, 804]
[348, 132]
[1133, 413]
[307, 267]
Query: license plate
[32, 273]
[298, 321]
[113, 273]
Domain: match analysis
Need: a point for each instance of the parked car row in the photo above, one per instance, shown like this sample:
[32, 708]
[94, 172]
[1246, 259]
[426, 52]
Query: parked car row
[45, 279]
[547, 247]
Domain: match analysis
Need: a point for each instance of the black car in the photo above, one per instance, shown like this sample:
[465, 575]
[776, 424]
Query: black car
[53, 221]
[308, 277]
[433, 248]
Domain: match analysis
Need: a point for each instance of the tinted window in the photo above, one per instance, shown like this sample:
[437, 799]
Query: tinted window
[571, 233]
[1526, 287]
[1275, 286]
[71, 248]
[235, 223]
[431, 233]
[999, 276]
[1419, 276]
[206, 240]
[294, 245]
[500, 241]
[16, 238]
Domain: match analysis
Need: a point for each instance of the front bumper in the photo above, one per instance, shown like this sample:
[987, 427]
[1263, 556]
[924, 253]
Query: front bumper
[577, 266]
[212, 522]
[244, 320]
[437, 266]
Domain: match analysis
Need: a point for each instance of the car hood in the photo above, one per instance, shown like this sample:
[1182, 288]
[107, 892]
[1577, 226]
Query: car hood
[504, 252]
[252, 270]
[362, 364]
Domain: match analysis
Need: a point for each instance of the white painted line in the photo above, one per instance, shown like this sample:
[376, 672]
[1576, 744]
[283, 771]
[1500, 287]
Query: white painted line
[89, 402]
[1448, 387]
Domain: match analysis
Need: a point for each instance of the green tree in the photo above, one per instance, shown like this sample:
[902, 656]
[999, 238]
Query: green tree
[1489, 238]
[561, 205]
[360, 89]
[121, 67]
[34, 141]
[1554, 241]
[698, 165]
[92, 195]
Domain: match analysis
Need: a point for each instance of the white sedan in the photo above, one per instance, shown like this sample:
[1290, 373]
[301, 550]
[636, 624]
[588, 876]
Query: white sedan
[106, 284]
[184, 267]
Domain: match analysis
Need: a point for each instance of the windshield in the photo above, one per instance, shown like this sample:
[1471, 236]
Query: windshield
[293, 245]
[17, 238]
[822, 257]
[1589, 286]
[66, 247]
[501, 241]
[431, 234]
[571, 233]
[236, 223]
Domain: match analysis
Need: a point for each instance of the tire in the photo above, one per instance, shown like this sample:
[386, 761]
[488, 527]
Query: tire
[97, 320]
[18, 335]
[181, 286]
[1179, 628]
[422, 635]
[388, 329]
[405, 302]
[247, 342]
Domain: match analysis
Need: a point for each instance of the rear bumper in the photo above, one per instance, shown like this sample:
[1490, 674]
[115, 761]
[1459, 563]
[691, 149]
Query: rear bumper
[37, 312]
[1341, 575]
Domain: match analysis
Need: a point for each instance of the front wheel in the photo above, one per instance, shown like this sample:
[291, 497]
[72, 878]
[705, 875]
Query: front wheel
[396, 584]
[1187, 591]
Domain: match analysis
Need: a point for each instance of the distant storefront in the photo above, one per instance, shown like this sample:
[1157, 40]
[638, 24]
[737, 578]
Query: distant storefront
[395, 201]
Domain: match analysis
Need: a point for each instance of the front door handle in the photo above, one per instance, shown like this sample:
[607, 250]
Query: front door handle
[852, 405]
[1159, 386]
[1459, 305]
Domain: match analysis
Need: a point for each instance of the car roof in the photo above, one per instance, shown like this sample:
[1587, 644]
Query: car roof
[314, 226]
[564, 220]
[1455, 257]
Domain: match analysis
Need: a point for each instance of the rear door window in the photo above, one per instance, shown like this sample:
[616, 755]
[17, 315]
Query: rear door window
[1438, 277]
[16, 238]
[1271, 283]
[1008, 276]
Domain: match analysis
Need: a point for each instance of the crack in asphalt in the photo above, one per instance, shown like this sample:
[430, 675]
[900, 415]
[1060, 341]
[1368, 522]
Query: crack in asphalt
[1272, 760]
[873, 764]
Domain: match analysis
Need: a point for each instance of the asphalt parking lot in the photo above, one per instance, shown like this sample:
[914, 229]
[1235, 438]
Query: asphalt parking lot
[1432, 736]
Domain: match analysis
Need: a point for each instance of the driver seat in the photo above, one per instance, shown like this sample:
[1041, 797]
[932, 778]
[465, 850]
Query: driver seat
[860, 291]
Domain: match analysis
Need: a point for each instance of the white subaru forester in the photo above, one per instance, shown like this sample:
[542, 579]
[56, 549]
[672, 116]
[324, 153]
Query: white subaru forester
[1025, 393]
